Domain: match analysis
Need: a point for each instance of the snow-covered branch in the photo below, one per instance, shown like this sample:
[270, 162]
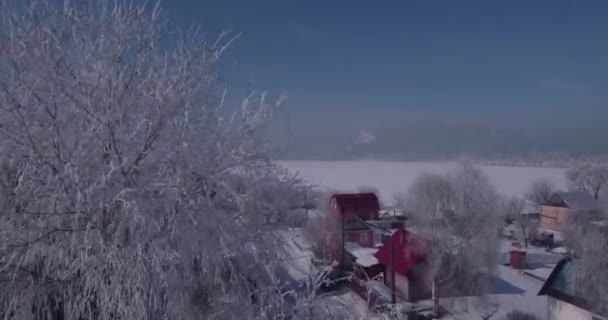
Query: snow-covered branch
[125, 194]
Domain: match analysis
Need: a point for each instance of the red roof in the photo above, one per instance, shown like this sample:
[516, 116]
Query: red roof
[364, 205]
[407, 251]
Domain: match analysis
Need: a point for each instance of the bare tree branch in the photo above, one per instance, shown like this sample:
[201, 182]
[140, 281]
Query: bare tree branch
[455, 216]
[123, 192]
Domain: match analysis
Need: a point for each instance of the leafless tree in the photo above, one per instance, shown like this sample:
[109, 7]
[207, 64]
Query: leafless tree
[589, 178]
[514, 208]
[591, 260]
[129, 188]
[456, 218]
[587, 241]
[540, 192]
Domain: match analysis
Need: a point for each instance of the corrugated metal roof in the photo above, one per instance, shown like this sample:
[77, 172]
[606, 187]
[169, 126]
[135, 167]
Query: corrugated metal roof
[579, 200]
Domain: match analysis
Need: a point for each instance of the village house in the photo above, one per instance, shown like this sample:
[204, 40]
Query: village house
[354, 240]
[566, 301]
[564, 207]
[351, 211]
[401, 254]
[346, 223]
[406, 269]
[376, 245]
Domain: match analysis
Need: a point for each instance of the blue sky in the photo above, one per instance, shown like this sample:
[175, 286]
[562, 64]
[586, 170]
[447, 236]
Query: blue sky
[506, 62]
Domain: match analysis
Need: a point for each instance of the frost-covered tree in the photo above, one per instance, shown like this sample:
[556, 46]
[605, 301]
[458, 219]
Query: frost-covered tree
[540, 192]
[514, 209]
[593, 256]
[322, 231]
[589, 178]
[591, 261]
[587, 241]
[130, 189]
[456, 218]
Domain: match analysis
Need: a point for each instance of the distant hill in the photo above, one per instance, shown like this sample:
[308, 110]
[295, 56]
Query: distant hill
[442, 140]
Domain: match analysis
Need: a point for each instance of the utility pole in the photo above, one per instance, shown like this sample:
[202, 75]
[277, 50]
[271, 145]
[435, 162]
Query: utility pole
[343, 243]
[391, 260]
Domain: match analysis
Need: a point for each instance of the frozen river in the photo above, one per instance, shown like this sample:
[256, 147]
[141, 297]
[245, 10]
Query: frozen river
[390, 178]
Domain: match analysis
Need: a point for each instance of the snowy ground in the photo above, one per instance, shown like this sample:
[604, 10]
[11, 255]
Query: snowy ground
[514, 289]
[297, 267]
[535, 256]
[344, 305]
[298, 263]
[395, 177]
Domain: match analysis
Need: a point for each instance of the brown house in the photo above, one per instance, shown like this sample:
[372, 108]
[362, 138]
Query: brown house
[564, 206]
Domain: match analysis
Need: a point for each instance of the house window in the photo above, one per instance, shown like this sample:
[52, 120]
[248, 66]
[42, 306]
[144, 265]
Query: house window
[377, 238]
[363, 237]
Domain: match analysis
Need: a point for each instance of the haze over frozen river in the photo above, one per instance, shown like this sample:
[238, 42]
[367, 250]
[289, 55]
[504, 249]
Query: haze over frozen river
[390, 178]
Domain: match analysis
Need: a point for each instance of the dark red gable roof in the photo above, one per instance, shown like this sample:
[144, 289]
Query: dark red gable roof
[407, 251]
[364, 205]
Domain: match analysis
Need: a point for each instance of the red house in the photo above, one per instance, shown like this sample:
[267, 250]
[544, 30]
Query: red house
[349, 213]
[402, 253]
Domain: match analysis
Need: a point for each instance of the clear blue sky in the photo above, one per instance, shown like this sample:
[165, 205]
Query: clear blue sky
[508, 62]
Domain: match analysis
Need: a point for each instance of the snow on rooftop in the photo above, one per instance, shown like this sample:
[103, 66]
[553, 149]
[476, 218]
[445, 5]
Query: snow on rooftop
[600, 223]
[365, 256]
[390, 213]
[557, 235]
[530, 208]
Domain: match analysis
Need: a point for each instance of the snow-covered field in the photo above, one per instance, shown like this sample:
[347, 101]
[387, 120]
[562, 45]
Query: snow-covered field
[390, 178]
